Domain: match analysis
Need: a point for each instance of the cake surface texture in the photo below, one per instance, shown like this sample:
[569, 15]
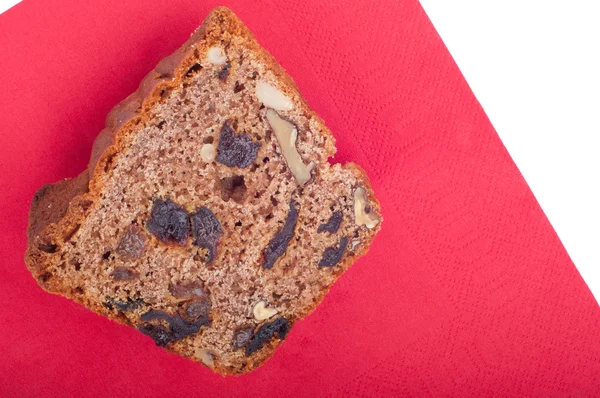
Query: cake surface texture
[209, 218]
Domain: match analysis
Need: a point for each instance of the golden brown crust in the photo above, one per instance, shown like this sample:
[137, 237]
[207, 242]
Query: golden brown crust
[57, 210]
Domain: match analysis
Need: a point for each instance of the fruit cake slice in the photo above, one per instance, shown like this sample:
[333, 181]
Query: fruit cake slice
[209, 218]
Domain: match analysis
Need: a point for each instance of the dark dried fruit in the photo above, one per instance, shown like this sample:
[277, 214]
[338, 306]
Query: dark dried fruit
[48, 248]
[333, 255]
[333, 224]
[169, 222]
[193, 69]
[235, 151]
[132, 243]
[155, 314]
[207, 231]
[190, 291]
[179, 328]
[279, 243]
[158, 333]
[196, 310]
[129, 305]
[238, 87]
[123, 274]
[241, 337]
[279, 327]
[232, 188]
[224, 73]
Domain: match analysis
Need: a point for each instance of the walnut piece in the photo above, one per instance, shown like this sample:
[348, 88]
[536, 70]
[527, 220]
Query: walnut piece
[361, 216]
[262, 312]
[272, 98]
[207, 357]
[286, 134]
[216, 55]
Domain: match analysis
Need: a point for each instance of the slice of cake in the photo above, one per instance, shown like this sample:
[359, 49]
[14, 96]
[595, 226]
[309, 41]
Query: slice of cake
[209, 218]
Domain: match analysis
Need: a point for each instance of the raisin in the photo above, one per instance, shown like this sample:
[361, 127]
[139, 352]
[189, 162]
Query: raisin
[232, 188]
[123, 274]
[238, 87]
[235, 151]
[48, 248]
[169, 222]
[189, 291]
[196, 310]
[333, 255]
[207, 231]
[129, 305]
[279, 327]
[156, 314]
[333, 224]
[158, 333]
[241, 337]
[132, 243]
[279, 243]
[224, 73]
[179, 328]
[193, 69]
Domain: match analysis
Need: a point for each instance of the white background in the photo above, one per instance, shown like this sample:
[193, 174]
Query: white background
[535, 67]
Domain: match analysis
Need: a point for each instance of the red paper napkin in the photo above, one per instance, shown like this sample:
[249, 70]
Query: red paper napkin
[467, 289]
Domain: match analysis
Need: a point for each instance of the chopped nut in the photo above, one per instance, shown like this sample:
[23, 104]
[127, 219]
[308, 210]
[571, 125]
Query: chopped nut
[261, 312]
[271, 97]
[286, 134]
[354, 243]
[361, 216]
[207, 357]
[216, 55]
[208, 153]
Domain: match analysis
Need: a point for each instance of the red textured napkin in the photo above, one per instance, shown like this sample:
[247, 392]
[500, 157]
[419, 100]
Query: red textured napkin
[467, 289]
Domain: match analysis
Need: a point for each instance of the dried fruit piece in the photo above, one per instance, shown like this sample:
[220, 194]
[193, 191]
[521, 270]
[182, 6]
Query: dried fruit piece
[132, 243]
[235, 150]
[169, 222]
[333, 224]
[196, 310]
[156, 314]
[224, 73]
[333, 255]
[158, 333]
[179, 328]
[279, 327]
[241, 337]
[271, 97]
[232, 188]
[123, 274]
[129, 305]
[362, 216]
[189, 291]
[286, 133]
[279, 243]
[207, 231]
